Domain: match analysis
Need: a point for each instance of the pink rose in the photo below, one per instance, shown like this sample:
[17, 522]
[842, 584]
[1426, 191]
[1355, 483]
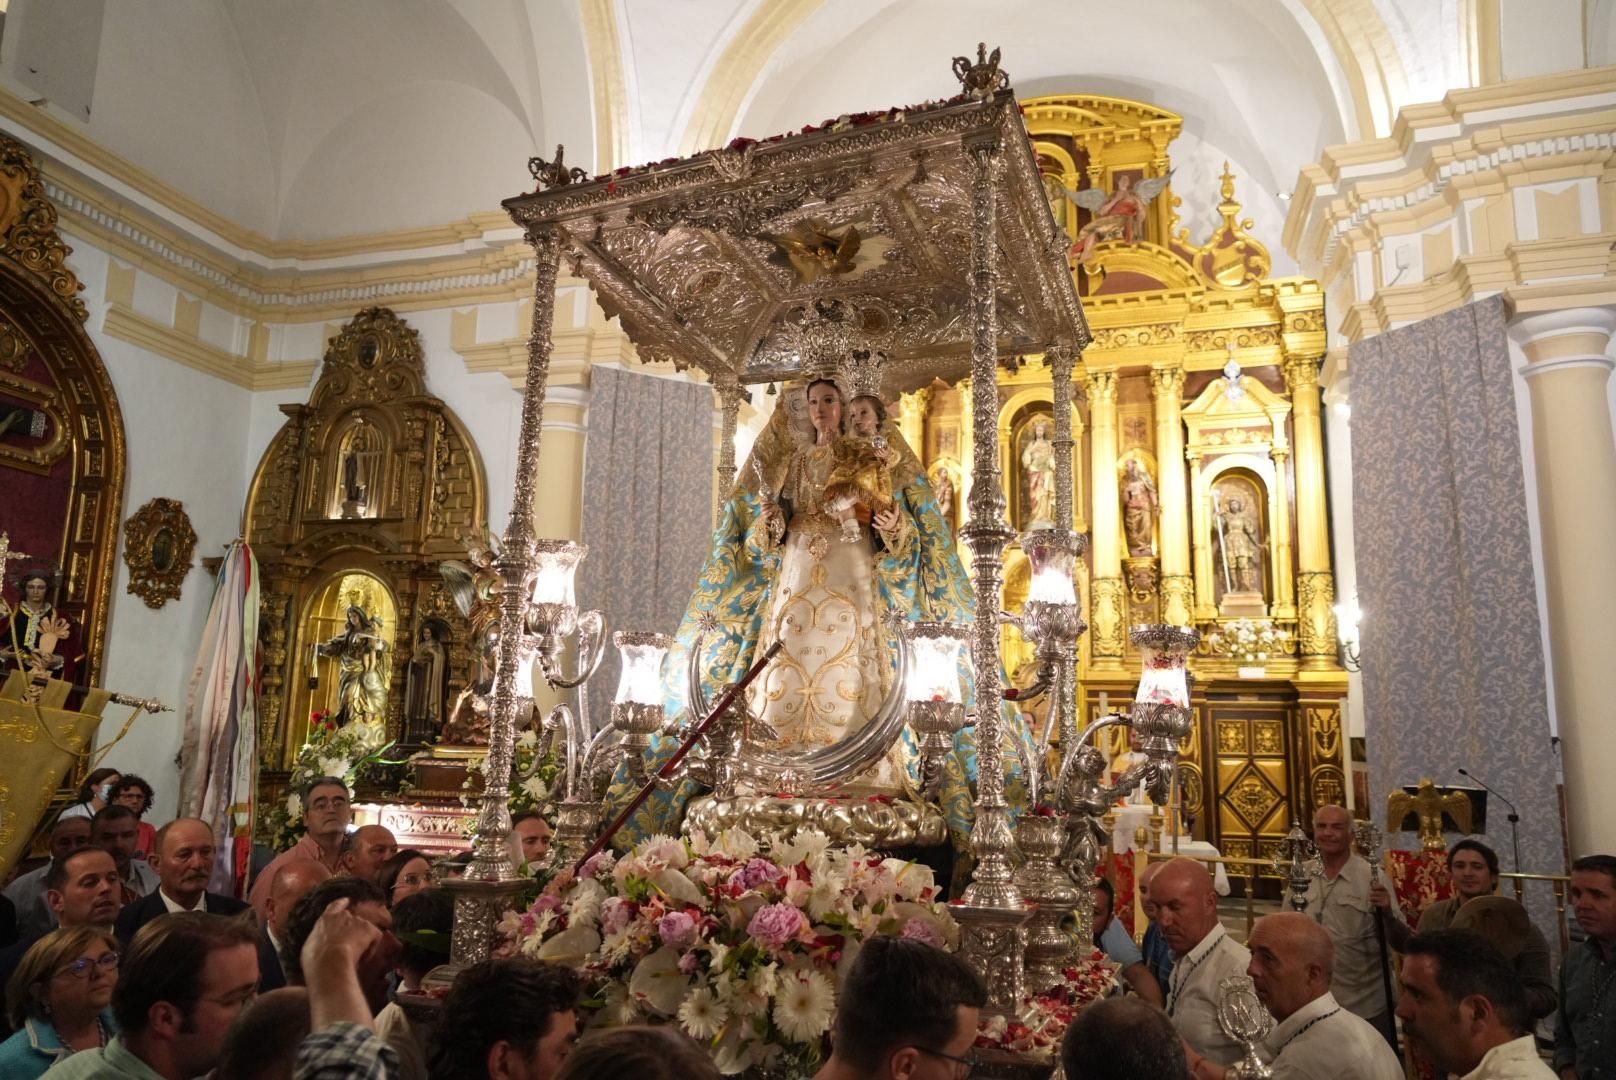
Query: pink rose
[677, 930]
[921, 930]
[758, 872]
[776, 924]
[615, 914]
[689, 962]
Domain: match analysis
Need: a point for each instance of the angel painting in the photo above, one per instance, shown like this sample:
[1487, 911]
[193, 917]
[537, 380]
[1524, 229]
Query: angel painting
[1118, 216]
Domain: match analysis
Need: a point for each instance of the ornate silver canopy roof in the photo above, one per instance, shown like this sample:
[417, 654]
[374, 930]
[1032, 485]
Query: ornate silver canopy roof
[717, 261]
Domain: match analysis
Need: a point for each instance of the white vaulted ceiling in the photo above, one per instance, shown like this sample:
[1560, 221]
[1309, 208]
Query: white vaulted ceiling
[314, 119]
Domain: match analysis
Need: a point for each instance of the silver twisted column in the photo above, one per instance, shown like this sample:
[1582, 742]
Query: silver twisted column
[730, 395]
[491, 880]
[993, 934]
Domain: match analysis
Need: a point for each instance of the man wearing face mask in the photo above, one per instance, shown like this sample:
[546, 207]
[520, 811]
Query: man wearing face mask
[184, 867]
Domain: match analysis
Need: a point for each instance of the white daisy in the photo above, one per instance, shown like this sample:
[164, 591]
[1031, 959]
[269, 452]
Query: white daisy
[702, 1014]
[803, 1005]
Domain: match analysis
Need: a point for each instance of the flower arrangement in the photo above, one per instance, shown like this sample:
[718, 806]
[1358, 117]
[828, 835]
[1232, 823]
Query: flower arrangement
[1250, 641]
[740, 940]
[329, 751]
[1041, 1021]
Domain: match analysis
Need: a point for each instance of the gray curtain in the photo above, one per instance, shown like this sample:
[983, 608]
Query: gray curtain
[1453, 666]
[647, 506]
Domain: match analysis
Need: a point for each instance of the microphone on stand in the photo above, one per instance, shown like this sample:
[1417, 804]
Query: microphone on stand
[1514, 817]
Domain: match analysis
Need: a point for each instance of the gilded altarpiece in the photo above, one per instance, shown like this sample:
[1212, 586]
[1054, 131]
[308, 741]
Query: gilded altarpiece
[1198, 471]
[63, 459]
[363, 494]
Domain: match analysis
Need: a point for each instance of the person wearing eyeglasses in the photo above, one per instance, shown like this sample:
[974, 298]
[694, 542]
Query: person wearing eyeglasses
[907, 1009]
[183, 981]
[58, 1000]
[327, 813]
[405, 874]
[81, 889]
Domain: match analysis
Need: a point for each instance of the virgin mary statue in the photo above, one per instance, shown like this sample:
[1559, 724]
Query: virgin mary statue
[824, 535]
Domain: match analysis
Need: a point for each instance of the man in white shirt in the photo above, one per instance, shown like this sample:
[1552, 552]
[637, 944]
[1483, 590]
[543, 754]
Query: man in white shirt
[1340, 902]
[1464, 1009]
[292, 883]
[1315, 1038]
[1204, 955]
[184, 867]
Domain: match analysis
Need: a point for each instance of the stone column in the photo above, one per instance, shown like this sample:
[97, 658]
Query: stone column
[1177, 586]
[1567, 377]
[1109, 607]
[912, 420]
[1315, 586]
[1284, 606]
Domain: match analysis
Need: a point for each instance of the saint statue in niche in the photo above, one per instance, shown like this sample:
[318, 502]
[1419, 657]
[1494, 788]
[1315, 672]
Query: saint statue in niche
[427, 681]
[360, 456]
[24, 630]
[1139, 507]
[1241, 543]
[1038, 479]
[361, 654]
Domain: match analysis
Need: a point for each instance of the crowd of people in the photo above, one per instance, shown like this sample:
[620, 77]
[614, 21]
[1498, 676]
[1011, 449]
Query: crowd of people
[1473, 982]
[119, 962]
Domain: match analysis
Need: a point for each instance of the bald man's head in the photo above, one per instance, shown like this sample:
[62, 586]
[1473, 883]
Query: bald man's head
[293, 881]
[1332, 832]
[365, 850]
[1186, 903]
[1292, 958]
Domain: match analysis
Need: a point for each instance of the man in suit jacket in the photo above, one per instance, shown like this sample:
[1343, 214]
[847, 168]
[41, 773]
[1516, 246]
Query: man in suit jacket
[184, 866]
[292, 883]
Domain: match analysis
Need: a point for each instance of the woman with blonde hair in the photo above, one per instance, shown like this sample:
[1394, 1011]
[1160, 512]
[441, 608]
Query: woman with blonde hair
[58, 1000]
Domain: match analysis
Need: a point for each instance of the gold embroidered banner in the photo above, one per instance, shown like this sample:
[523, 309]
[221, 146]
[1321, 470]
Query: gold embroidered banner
[40, 742]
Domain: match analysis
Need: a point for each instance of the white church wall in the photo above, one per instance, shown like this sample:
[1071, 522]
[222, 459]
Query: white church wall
[184, 433]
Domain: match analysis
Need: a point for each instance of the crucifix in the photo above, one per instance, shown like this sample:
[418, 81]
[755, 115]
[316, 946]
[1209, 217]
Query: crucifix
[6, 554]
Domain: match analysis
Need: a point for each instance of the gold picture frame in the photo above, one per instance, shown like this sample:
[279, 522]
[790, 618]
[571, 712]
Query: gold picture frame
[159, 545]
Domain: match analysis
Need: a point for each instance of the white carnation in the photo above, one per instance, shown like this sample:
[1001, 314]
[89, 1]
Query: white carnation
[294, 806]
[804, 1005]
[702, 1014]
